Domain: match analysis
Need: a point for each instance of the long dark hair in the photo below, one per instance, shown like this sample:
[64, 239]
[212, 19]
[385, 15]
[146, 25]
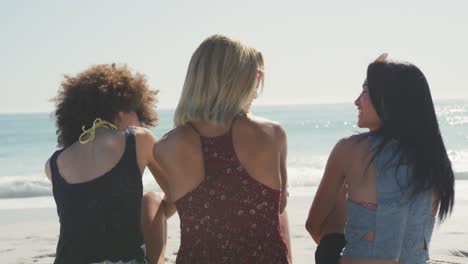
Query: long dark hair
[401, 97]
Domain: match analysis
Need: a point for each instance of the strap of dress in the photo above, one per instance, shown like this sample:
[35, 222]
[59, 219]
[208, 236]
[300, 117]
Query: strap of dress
[194, 129]
[130, 144]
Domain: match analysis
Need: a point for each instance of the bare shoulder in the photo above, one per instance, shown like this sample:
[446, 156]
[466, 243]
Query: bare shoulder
[144, 134]
[351, 147]
[346, 144]
[176, 135]
[145, 140]
[47, 170]
[261, 121]
[178, 139]
[262, 127]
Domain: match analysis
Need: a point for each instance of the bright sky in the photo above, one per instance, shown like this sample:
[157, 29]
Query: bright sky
[315, 51]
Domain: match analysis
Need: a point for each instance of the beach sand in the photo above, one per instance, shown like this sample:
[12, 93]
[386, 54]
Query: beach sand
[29, 235]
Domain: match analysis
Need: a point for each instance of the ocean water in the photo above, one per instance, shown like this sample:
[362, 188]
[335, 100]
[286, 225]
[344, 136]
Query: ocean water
[28, 140]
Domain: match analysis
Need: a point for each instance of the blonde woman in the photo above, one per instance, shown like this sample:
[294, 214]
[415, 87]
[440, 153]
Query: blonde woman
[226, 168]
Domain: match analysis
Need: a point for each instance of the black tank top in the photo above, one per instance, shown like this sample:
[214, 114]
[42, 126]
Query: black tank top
[100, 219]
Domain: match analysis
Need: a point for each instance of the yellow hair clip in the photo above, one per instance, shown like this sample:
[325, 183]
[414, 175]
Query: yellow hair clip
[91, 132]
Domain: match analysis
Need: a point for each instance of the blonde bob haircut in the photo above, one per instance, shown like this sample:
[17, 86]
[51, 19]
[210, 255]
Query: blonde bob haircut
[222, 76]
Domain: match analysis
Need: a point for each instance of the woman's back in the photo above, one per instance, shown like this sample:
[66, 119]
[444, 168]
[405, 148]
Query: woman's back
[96, 176]
[228, 192]
[98, 199]
[385, 220]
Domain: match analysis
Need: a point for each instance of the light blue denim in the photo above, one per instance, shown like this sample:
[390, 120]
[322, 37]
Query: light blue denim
[402, 221]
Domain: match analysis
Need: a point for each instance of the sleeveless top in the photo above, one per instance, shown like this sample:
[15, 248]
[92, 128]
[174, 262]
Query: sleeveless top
[402, 222]
[100, 219]
[230, 217]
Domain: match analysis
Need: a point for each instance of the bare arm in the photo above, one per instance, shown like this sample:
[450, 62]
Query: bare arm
[284, 222]
[328, 192]
[161, 178]
[283, 169]
[284, 227]
[47, 170]
[336, 220]
[155, 210]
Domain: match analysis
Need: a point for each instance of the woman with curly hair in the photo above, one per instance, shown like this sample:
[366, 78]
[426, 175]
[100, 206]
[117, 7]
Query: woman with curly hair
[101, 115]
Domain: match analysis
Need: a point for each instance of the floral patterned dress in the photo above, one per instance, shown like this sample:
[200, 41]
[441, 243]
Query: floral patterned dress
[230, 217]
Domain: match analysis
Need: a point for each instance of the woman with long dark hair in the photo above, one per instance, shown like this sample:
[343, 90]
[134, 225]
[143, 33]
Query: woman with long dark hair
[396, 178]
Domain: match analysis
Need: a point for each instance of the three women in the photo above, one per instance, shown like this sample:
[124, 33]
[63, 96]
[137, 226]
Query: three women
[225, 169]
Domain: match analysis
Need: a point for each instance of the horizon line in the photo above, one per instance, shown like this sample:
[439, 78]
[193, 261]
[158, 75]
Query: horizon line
[172, 107]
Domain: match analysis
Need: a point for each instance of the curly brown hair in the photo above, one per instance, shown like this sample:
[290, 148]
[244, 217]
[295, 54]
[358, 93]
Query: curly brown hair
[101, 91]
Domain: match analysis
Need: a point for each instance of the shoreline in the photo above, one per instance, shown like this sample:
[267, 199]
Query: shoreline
[45, 201]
